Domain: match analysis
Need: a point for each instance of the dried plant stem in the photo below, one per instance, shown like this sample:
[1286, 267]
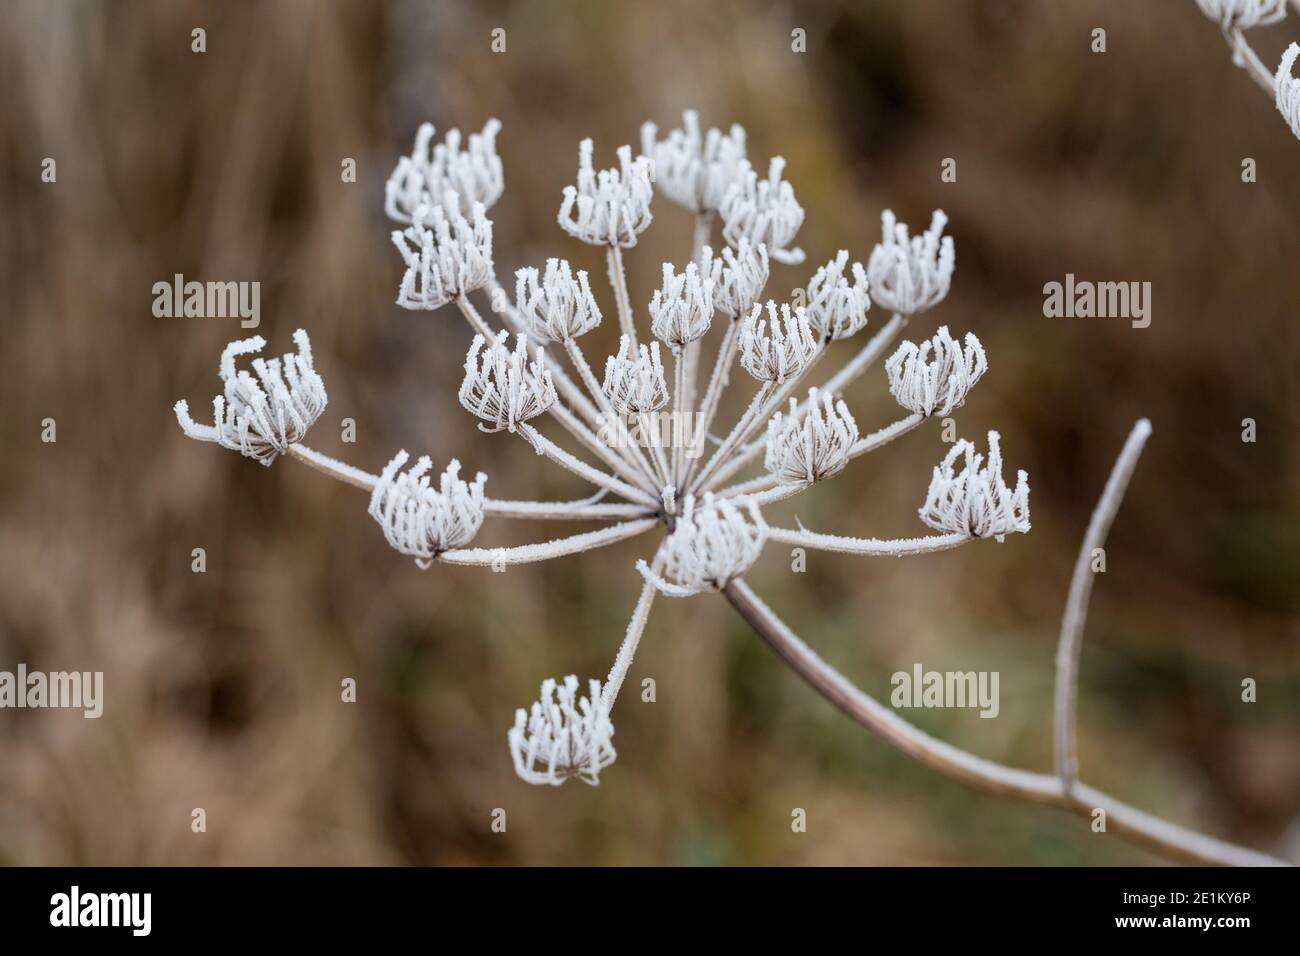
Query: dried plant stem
[560, 547]
[734, 437]
[713, 393]
[602, 450]
[875, 547]
[627, 650]
[618, 282]
[1065, 734]
[1244, 56]
[333, 467]
[632, 453]
[1166, 838]
[583, 470]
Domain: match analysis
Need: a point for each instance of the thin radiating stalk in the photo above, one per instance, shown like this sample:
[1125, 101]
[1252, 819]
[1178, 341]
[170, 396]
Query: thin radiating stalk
[618, 281]
[1167, 838]
[873, 547]
[599, 448]
[583, 510]
[632, 454]
[712, 395]
[627, 650]
[1065, 733]
[334, 468]
[721, 453]
[545, 551]
[583, 470]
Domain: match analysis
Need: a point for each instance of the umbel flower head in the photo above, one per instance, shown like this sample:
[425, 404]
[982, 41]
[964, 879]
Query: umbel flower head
[910, 275]
[681, 309]
[1243, 14]
[610, 207]
[424, 178]
[420, 520]
[744, 276]
[634, 379]
[1287, 89]
[691, 170]
[976, 501]
[836, 309]
[805, 448]
[261, 417]
[935, 377]
[559, 307]
[714, 542]
[563, 736]
[503, 387]
[446, 255]
[763, 211]
[780, 352]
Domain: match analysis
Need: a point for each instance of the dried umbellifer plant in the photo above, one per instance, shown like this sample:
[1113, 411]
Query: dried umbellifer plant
[1234, 18]
[705, 510]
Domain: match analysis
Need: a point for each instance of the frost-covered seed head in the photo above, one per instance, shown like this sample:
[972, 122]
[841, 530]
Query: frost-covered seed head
[837, 309]
[976, 501]
[681, 310]
[503, 387]
[558, 308]
[744, 275]
[423, 179]
[694, 171]
[261, 417]
[935, 377]
[1287, 89]
[811, 447]
[609, 207]
[1243, 14]
[910, 275]
[780, 352]
[422, 521]
[634, 379]
[763, 211]
[563, 736]
[713, 542]
[446, 255]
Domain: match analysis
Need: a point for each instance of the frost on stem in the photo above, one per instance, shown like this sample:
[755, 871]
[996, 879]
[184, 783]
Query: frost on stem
[1287, 89]
[446, 255]
[1243, 14]
[261, 417]
[609, 207]
[503, 387]
[563, 736]
[634, 379]
[836, 309]
[714, 542]
[744, 276]
[911, 274]
[780, 352]
[420, 520]
[935, 377]
[474, 175]
[813, 446]
[694, 171]
[976, 501]
[681, 310]
[763, 211]
[558, 308]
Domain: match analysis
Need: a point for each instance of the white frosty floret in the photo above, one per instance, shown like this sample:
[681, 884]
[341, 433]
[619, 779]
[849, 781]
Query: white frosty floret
[420, 520]
[446, 255]
[836, 309]
[1287, 89]
[694, 171]
[763, 211]
[634, 379]
[744, 275]
[813, 446]
[1243, 14]
[976, 501]
[261, 417]
[563, 736]
[504, 388]
[910, 275]
[558, 308]
[935, 377]
[780, 352]
[474, 175]
[713, 542]
[681, 309]
[609, 207]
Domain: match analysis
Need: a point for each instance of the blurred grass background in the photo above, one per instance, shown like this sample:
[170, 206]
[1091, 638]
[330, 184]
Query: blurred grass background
[223, 688]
